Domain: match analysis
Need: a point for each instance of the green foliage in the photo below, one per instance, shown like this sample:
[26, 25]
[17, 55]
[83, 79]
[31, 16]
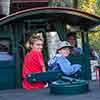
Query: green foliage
[93, 7]
[88, 6]
[98, 7]
[94, 38]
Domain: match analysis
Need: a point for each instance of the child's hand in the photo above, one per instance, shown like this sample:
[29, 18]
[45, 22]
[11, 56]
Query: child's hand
[43, 69]
[46, 85]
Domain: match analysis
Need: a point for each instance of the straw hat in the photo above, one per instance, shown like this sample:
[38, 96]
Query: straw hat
[63, 44]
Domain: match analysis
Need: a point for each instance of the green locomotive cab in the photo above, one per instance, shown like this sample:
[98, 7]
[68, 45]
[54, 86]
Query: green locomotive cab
[15, 29]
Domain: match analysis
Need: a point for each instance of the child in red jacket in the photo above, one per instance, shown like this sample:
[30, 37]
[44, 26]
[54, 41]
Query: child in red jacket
[33, 62]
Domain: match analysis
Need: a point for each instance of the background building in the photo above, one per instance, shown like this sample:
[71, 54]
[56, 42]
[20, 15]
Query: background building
[11, 6]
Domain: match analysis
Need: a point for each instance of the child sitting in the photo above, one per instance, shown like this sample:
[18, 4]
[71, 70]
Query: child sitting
[60, 62]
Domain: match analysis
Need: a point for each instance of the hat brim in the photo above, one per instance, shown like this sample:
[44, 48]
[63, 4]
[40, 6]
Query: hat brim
[70, 47]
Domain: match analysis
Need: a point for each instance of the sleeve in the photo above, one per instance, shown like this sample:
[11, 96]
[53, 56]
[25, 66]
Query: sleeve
[76, 67]
[26, 67]
[78, 51]
[66, 66]
[52, 64]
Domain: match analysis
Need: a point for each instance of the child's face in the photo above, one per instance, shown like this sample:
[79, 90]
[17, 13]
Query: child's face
[37, 45]
[65, 51]
[72, 40]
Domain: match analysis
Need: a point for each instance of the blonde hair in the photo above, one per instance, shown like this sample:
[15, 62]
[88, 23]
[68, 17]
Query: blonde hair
[33, 38]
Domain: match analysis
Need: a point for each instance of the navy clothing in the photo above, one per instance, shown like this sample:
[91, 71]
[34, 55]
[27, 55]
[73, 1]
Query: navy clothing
[94, 55]
[77, 51]
[61, 63]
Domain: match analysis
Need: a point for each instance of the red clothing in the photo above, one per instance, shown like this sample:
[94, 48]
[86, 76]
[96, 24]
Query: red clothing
[33, 62]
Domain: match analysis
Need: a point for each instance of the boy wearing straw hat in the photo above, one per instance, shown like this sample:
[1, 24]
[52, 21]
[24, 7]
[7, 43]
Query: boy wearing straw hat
[60, 62]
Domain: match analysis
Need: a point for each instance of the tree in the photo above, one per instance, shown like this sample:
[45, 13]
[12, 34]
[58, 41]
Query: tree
[98, 7]
[93, 7]
[88, 6]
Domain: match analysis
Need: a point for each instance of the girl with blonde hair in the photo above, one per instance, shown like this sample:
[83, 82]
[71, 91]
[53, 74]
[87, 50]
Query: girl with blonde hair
[33, 61]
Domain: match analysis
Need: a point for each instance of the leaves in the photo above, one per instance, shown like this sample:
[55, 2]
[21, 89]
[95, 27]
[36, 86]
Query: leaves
[98, 7]
[88, 6]
[93, 7]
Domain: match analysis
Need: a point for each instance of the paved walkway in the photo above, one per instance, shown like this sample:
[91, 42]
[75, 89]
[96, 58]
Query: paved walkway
[43, 94]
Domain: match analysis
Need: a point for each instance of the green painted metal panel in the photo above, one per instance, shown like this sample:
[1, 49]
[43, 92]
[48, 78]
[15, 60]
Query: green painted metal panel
[61, 87]
[60, 26]
[85, 63]
[7, 75]
[44, 76]
[86, 50]
[7, 67]
[85, 18]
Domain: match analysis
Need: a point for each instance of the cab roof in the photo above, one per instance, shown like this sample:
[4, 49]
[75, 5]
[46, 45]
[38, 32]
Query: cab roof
[70, 16]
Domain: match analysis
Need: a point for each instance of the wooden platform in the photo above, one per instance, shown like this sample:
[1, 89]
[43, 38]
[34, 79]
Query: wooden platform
[43, 94]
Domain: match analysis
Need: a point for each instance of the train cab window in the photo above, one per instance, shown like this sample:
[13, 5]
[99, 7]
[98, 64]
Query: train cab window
[5, 54]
